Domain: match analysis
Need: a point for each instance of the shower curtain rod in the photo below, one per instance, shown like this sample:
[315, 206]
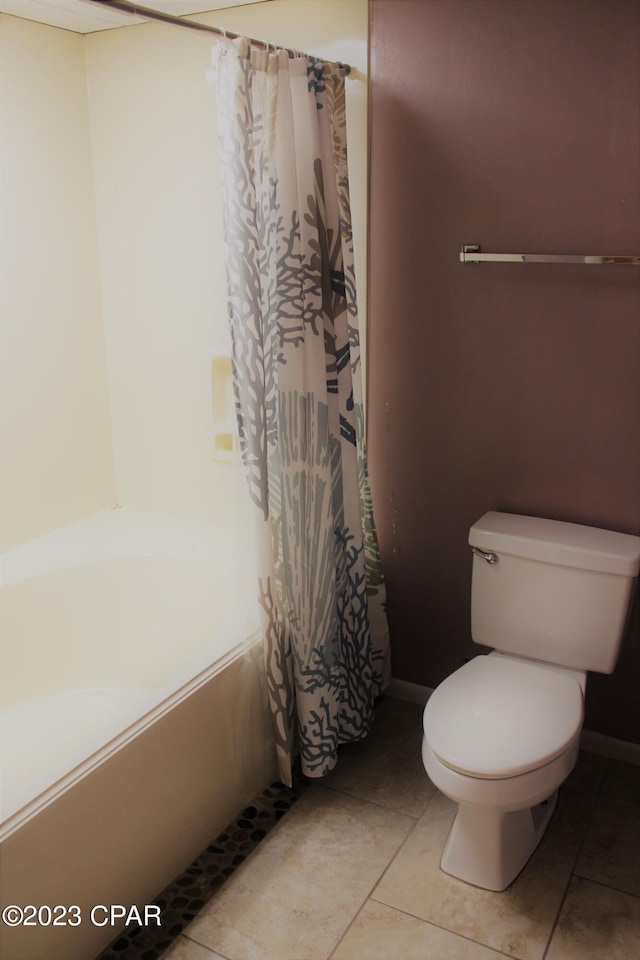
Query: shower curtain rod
[136, 10]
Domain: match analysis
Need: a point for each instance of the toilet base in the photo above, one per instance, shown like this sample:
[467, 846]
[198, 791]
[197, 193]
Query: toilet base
[488, 847]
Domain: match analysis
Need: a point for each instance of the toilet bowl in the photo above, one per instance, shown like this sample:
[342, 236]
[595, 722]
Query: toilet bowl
[502, 733]
[500, 736]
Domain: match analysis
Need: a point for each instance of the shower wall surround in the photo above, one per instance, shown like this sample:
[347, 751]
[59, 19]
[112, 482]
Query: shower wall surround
[55, 426]
[113, 287]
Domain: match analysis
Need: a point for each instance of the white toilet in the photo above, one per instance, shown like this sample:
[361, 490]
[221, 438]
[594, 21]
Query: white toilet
[502, 733]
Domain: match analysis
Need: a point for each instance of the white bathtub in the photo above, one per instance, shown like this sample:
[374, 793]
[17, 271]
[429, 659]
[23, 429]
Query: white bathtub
[132, 722]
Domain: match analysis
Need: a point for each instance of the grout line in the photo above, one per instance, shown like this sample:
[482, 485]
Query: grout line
[375, 883]
[608, 886]
[198, 943]
[374, 803]
[407, 913]
[572, 872]
[349, 926]
[454, 933]
[214, 953]
[404, 842]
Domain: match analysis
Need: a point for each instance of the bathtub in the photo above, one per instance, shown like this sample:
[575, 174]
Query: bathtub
[132, 721]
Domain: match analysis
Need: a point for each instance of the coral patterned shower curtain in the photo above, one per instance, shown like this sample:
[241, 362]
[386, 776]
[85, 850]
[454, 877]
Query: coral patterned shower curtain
[298, 396]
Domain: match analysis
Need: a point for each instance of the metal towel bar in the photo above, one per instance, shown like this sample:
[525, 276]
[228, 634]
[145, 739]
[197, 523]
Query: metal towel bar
[470, 253]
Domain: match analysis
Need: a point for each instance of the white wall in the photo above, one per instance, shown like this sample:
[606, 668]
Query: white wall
[56, 461]
[154, 141]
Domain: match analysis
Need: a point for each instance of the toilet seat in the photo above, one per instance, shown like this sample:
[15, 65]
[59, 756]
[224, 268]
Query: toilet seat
[498, 717]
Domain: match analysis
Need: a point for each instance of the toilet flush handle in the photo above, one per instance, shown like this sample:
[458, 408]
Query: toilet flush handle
[485, 555]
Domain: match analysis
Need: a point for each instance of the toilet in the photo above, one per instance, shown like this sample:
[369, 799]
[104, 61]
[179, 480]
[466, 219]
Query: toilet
[502, 733]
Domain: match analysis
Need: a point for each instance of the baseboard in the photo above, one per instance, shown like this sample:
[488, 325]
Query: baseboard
[405, 690]
[592, 742]
[604, 746]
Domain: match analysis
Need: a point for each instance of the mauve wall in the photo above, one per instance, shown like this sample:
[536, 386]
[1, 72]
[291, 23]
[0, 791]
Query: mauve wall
[515, 125]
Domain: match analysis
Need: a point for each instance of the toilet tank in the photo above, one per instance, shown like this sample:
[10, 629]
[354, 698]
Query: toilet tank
[558, 592]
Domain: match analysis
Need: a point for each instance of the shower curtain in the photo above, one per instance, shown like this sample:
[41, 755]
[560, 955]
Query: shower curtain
[298, 396]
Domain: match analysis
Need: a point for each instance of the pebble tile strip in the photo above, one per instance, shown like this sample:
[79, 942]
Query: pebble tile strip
[188, 893]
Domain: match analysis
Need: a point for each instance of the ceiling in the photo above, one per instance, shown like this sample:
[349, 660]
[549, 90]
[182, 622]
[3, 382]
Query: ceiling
[83, 16]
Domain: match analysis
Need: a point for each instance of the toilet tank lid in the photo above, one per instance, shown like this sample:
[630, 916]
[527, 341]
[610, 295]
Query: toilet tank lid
[554, 541]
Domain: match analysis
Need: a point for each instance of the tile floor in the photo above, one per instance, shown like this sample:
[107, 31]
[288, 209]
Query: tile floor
[351, 872]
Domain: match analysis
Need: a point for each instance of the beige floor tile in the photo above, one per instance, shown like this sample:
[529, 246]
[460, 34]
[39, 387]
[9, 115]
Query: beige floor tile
[611, 851]
[382, 933]
[294, 897]
[517, 921]
[183, 949]
[386, 767]
[596, 923]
